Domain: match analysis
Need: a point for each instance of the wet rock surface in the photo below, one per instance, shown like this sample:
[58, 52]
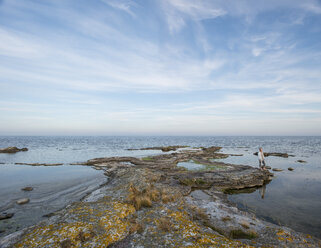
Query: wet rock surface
[276, 154]
[154, 203]
[12, 149]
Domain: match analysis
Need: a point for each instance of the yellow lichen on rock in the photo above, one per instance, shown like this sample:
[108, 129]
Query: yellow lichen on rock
[190, 231]
[124, 209]
[91, 228]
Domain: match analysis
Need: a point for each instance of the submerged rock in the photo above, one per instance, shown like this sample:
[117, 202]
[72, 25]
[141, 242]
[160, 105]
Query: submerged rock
[291, 169]
[23, 201]
[6, 216]
[12, 149]
[277, 169]
[27, 189]
[301, 161]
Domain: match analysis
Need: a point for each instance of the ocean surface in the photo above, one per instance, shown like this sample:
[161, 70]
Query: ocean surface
[292, 198]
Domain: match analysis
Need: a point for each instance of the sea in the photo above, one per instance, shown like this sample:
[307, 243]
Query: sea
[292, 198]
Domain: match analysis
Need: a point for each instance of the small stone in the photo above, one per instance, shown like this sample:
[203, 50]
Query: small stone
[268, 167]
[27, 189]
[290, 169]
[23, 201]
[301, 161]
[6, 216]
[277, 169]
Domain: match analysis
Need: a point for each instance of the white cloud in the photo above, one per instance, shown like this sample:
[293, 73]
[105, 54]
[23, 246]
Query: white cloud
[124, 5]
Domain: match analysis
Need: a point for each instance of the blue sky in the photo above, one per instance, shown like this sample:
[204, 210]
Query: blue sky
[163, 67]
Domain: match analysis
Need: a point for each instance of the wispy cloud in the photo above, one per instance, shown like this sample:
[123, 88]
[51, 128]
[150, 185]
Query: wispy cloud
[124, 5]
[162, 64]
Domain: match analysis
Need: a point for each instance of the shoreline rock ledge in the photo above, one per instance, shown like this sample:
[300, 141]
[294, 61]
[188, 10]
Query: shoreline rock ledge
[152, 202]
[13, 149]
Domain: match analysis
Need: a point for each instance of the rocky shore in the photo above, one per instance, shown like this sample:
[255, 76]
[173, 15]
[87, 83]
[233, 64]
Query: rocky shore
[152, 202]
[13, 149]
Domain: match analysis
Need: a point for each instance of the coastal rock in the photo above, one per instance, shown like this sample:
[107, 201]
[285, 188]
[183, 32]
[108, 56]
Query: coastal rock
[27, 189]
[154, 203]
[23, 201]
[39, 164]
[301, 161]
[12, 149]
[277, 154]
[277, 169]
[6, 216]
[162, 148]
[291, 169]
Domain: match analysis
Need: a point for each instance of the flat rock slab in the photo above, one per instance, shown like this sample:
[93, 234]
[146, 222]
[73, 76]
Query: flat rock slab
[277, 169]
[276, 154]
[13, 149]
[39, 164]
[6, 216]
[23, 201]
[162, 148]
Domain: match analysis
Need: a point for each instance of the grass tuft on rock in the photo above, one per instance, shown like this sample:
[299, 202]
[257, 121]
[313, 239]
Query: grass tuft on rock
[147, 158]
[240, 234]
[164, 224]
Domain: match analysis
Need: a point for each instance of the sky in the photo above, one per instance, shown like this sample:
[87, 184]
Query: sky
[160, 67]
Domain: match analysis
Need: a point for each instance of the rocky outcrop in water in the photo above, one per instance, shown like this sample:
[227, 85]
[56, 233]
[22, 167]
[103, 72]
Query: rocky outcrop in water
[162, 148]
[154, 203]
[12, 149]
[39, 164]
[277, 154]
[27, 188]
[6, 216]
[23, 201]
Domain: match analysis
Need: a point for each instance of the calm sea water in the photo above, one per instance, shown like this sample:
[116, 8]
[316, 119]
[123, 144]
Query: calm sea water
[292, 199]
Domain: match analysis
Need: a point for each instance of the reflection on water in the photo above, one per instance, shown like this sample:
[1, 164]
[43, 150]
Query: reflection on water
[290, 199]
[262, 191]
[191, 165]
